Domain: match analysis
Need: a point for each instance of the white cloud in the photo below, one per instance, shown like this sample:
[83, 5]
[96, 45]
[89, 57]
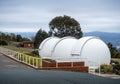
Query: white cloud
[29, 15]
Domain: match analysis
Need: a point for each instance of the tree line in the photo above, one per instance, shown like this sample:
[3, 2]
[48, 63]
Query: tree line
[6, 38]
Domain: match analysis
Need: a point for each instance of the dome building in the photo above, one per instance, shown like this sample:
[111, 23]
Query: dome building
[46, 47]
[92, 50]
[62, 49]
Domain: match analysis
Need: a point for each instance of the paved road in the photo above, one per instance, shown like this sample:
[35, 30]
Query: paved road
[23, 75]
[7, 63]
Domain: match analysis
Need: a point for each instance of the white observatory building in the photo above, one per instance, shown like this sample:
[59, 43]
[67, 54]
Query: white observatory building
[92, 50]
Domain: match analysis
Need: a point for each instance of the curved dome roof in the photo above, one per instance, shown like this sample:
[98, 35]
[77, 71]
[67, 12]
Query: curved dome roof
[62, 48]
[46, 47]
[92, 49]
[77, 48]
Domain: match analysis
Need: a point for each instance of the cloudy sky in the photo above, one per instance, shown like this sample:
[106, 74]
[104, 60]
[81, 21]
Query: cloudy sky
[31, 15]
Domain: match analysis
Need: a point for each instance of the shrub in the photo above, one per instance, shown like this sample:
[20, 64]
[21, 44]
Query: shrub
[116, 66]
[19, 45]
[3, 42]
[117, 55]
[116, 69]
[35, 52]
[114, 61]
[106, 68]
[49, 60]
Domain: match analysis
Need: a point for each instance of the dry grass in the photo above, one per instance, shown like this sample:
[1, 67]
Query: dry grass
[18, 49]
[26, 51]
[116, 59]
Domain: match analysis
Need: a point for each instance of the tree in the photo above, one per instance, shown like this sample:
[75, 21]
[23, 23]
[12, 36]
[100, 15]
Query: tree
[40, 36]
[19, 38]
[3, 42]
[65, 26]
[113, 50]
[13, 37]
[32, 38]
[25, 39]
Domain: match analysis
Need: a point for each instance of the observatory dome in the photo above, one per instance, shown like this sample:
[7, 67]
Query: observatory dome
[90, 49]
[46, 47]
[62, 49]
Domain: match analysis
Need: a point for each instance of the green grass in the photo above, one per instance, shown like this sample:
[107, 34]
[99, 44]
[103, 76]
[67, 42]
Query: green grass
[16, 49]
[22, 50]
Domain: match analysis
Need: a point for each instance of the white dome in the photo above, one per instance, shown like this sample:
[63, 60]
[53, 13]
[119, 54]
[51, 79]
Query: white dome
[46, 47]
[91, 50]
[62, 49]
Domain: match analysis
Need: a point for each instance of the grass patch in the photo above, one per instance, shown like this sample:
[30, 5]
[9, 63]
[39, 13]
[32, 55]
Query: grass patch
[18, 49]
[26, 51]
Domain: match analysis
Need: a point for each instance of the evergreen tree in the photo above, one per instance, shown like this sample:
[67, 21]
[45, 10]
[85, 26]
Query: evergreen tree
[113, 50]
[65, 26]
[13, 37]
[40, 36]
[19, 38]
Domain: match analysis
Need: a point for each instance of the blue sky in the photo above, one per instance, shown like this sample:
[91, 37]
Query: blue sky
[31, 15]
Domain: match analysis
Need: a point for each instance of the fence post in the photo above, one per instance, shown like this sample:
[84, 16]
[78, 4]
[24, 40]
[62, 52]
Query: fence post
[18, 56]
[33, 61]
[23, 58]
[29, 59]
[37, 62]
[26, 58]
[41, 63]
